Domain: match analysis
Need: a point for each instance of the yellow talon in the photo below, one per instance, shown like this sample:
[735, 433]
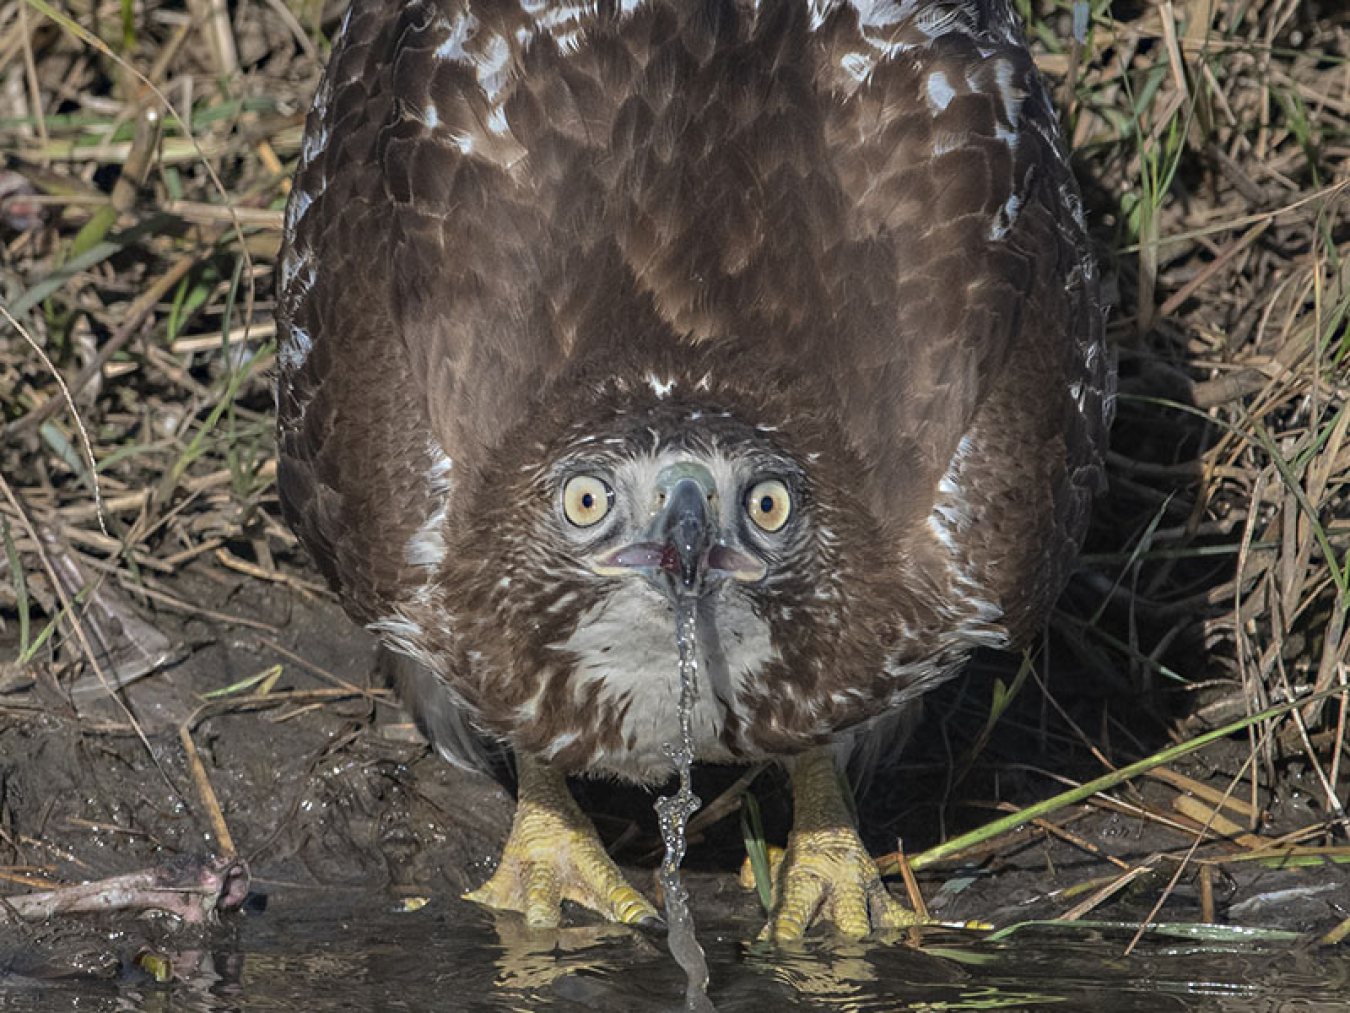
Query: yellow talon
[553, 854]
[827, 874]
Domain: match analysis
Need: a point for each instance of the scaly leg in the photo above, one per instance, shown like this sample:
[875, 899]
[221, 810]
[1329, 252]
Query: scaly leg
[827, 874]
[553, 854]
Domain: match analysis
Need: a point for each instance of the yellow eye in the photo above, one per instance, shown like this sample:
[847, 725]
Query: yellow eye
[586, 500]
[769, 505]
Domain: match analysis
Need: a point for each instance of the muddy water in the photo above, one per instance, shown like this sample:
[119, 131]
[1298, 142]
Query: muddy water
[311, 952]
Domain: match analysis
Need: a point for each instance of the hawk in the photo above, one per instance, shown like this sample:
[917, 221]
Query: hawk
[782, 312]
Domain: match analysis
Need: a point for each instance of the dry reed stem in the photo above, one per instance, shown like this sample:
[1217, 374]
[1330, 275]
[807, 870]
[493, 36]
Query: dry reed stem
[206, 794]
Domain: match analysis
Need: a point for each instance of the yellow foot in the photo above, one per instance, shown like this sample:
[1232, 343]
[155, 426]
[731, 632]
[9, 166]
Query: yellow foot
[553, 854]
[827, 875]
[747, 874]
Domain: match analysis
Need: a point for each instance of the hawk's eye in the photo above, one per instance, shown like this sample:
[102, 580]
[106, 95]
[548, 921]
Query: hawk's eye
[769, 505]
[586, 500]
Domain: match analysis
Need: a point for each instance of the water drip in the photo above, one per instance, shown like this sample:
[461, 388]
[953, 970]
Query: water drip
[673, 812]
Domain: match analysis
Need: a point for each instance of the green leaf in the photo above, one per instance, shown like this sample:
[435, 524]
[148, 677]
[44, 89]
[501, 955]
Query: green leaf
[752, 831]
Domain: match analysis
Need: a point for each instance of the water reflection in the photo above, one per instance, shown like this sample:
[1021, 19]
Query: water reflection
[358, 952]
[533, 962]
[889, 974]
[837, 976]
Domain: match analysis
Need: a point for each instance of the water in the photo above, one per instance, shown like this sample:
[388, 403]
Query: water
[673, 813]
[317, 951]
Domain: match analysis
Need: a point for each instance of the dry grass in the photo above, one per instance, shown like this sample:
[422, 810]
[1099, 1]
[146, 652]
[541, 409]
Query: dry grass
[140, 208]
[1215, 138]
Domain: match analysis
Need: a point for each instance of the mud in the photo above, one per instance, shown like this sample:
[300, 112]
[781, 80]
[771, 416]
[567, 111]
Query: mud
[330, 792]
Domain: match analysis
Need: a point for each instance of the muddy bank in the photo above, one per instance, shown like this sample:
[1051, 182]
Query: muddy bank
[317, 780]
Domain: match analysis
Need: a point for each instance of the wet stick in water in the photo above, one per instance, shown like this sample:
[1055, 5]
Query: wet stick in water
[674, 812]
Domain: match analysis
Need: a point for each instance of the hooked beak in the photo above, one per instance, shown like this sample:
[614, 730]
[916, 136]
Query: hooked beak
[682, 552]
[686, 531]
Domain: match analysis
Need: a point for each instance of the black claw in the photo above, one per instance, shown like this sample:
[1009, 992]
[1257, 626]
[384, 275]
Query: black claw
[651, 923]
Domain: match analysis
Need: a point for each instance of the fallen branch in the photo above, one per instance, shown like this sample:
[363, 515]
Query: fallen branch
[192, 889]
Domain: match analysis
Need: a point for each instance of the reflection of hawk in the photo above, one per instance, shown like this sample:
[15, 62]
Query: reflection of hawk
[785, 308]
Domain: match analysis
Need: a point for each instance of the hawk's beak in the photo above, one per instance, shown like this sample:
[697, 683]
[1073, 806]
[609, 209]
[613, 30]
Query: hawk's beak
[686, 534]
[681, 549]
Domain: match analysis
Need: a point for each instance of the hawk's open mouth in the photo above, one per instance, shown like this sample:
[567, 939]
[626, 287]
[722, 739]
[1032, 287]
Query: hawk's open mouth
[683, 553]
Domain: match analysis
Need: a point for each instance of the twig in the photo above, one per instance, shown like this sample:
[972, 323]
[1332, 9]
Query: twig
[206, 793]
[1100, 784]
[69, 608]
[136, 315]
[194, 891]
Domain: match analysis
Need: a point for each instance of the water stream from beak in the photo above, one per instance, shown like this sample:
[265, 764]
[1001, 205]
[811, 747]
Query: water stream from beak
[673, 812]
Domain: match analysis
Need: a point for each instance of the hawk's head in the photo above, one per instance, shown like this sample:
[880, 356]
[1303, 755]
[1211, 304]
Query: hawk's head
[623, 498]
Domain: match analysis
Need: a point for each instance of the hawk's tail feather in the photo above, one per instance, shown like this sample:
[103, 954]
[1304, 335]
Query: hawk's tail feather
[446, 724]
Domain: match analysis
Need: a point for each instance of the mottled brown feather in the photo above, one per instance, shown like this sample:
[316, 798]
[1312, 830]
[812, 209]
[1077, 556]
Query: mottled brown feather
[501, 228]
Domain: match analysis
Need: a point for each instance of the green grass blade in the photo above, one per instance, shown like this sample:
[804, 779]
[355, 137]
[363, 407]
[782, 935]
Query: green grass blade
[1106, 781]
[752, 830]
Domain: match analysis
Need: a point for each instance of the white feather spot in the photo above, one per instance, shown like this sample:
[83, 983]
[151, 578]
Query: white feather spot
[496, 120]
[461, 30]
[295, 348]
[404, 635]
[940, 532]
[858, 66]
[427, 545]
[940, 91]
[297, 272]
[493, 66]
[559, 743]
[1008, 91]
[295, 210]
[661, 388]
[1007, 215]
[314, 143]
[562, 602]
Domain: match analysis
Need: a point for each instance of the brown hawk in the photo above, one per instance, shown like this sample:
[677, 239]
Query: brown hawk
[783, 310]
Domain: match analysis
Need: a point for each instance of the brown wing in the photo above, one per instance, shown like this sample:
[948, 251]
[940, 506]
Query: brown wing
[385, 253]
[981, 382]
